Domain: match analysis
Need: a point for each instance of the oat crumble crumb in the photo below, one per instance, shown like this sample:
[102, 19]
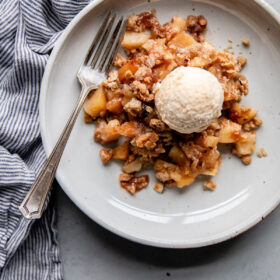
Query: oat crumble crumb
[209, 185]
[261, 153]
[132, 183]
[246, 42]
[246, 160]
[159, 187]
[106, 155]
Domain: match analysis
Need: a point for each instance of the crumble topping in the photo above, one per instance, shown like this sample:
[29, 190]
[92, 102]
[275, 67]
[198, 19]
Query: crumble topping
[246, 159]
[209, 185]
[123, 106]
[132, 183]
[246, 42]
[159, 187]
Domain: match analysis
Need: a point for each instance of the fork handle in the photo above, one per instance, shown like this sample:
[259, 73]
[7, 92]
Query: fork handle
[32, 205]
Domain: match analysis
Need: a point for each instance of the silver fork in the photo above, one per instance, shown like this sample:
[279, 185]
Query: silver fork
[92, 72]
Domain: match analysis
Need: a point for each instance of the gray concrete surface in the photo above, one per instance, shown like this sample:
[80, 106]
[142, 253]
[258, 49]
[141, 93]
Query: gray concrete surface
[89, 252]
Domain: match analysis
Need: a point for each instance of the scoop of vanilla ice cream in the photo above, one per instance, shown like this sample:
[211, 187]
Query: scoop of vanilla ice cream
[189, 99]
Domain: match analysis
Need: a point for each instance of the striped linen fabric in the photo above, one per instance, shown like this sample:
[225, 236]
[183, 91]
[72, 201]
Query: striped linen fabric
[28, 31]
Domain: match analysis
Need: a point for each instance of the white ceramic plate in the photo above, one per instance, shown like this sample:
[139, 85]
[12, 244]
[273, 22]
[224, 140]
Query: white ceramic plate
[183, 218]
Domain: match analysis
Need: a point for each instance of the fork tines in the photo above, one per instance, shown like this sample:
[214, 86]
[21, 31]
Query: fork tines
[103, 49]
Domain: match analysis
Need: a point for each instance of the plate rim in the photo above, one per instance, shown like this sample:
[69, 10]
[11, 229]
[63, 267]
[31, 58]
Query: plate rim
[151, 242]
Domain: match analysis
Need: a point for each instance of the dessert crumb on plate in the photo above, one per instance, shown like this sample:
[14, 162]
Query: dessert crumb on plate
[261, 152]
[159, 187]
[246, 42]
[246, 160]
[209, 185]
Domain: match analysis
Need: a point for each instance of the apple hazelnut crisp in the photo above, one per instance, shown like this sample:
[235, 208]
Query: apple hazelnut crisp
[124, 111]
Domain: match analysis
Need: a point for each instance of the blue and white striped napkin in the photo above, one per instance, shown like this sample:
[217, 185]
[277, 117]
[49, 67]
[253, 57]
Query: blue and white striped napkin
[28, 31]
